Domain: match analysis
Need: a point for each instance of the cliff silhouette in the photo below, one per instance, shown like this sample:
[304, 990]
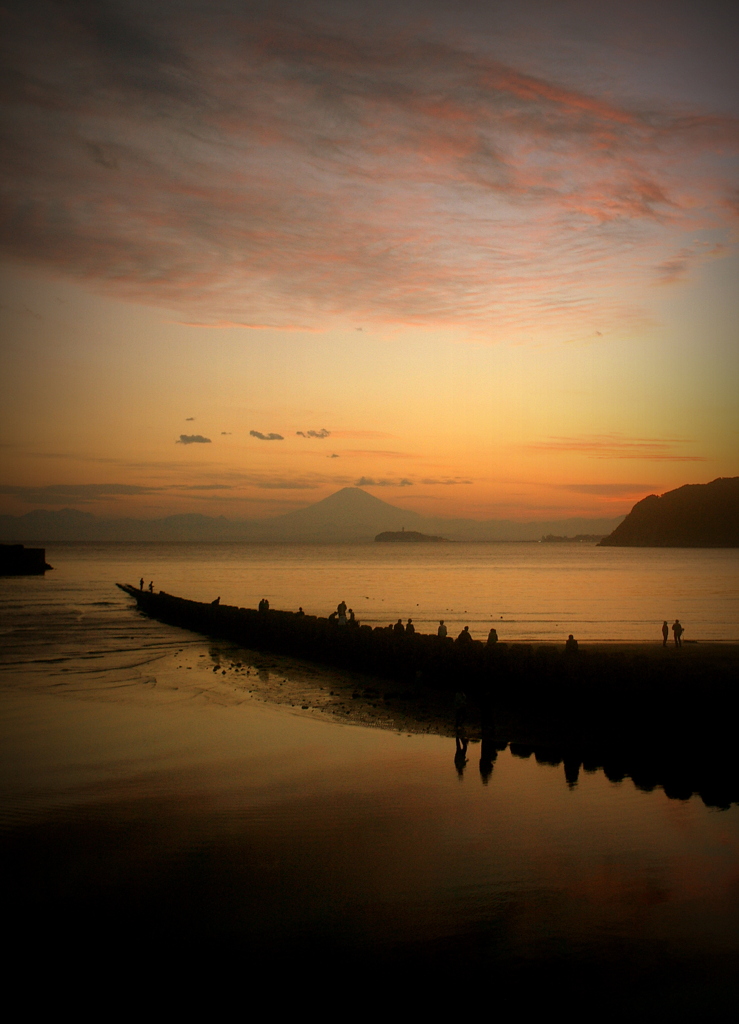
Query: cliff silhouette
[693, 516]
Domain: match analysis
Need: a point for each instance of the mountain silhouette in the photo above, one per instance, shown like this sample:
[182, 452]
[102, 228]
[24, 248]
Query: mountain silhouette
[349, 515]
[693, 516]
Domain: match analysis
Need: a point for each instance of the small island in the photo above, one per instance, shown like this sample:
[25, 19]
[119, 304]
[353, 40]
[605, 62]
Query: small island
[410, 537]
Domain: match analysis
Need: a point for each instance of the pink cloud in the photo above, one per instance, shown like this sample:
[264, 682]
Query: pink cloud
[287, 172]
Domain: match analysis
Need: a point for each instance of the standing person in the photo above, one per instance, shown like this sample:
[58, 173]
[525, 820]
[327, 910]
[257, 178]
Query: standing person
[141, 583]
[665, 633]
[677, 632]
[492, 637]
[441, 631]
[399, 627]
[571, 645]
[410, 628]
[341, 609]
[151, 587]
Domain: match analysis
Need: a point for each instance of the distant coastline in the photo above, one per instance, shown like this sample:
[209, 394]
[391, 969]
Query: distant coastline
[409, 537]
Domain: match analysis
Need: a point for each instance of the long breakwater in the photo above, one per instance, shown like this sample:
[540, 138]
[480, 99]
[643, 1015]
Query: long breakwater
[649, 712]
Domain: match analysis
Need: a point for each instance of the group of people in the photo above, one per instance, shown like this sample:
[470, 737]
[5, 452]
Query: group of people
[150, 588]
[343, 616]
[442, 632]
[677, 632]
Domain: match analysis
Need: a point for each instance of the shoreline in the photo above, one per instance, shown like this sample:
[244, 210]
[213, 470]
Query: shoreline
[659, 715]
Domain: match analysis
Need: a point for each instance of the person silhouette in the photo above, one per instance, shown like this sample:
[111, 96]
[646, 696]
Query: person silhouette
[665, 633]
[141, 583]
[442, 630]
[151, 587]
[399, 627]
[677, 632]
[410, 628]
[460, 754]
[492, 637]
[571, 645]
[464, 637]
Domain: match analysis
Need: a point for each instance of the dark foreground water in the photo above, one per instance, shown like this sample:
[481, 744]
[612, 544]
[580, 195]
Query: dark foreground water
[155, 813]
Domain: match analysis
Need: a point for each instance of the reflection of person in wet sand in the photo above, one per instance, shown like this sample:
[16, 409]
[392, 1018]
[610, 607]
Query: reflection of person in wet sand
[460, 708]
[488, 753]
[677, 632]
[460, 754]
[665, 633]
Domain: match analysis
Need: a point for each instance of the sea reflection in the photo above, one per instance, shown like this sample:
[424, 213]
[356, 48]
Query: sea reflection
[161, 812]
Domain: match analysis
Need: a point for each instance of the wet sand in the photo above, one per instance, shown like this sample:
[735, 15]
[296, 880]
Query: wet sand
[410, 707]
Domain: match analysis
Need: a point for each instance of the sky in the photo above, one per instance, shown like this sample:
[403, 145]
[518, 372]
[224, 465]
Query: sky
[479, 258]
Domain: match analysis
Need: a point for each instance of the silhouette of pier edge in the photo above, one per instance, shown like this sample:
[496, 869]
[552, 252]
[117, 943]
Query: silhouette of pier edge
[659, 721]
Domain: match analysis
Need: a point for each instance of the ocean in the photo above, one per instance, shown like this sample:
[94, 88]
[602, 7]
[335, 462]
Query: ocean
[150, 794]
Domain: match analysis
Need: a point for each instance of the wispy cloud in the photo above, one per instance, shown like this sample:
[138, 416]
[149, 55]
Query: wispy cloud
[362, 453]
[615, 446]
[445, 480]
[266, 437]
[368, 481]
[614, 490]
[60, 494]
[291, 170]
[193, 439]
[366, 435]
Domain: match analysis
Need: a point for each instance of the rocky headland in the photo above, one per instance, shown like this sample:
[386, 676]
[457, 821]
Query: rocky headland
[693, 516]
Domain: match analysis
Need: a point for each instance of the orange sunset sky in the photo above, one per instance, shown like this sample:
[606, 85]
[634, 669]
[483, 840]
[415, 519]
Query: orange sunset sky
[478, 258]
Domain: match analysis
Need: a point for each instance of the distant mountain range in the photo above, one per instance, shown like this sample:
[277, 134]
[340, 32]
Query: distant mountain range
[348, 515]
[693, 516]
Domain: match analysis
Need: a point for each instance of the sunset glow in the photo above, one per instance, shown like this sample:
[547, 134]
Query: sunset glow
[477, 259]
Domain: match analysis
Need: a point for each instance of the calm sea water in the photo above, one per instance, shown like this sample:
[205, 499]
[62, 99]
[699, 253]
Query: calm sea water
[143, 795]
[528, 591]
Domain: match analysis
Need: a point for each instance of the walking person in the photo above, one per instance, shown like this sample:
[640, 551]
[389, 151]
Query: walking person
[677, 632]
[665, 633]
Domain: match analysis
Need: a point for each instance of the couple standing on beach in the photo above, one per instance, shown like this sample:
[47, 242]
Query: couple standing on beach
[677, 632]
